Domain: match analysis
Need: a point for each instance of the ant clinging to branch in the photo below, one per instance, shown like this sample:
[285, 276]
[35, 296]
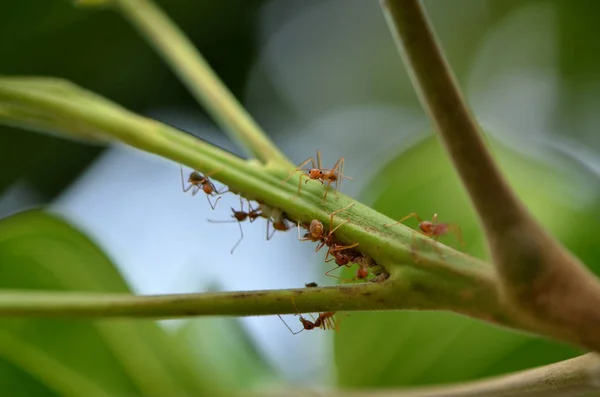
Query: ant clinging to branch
[323, 175]
[433, 229]
[198, 182]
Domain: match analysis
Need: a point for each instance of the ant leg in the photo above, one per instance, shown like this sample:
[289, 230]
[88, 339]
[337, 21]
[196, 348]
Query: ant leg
[185, 190]
[338, 164]
[346, 280]
[330, 275]
[319, 163]
[299, 168]
[274, 230]
[456, 230]
[194, 192]
[241, 238]
[326, 191]
[411, 215]
[213, 206]
[345, 247]
[320, 245]
[333, 214]
[288, 327]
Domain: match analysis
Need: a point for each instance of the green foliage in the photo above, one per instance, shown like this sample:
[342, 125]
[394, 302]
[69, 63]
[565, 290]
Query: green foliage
[101, 358]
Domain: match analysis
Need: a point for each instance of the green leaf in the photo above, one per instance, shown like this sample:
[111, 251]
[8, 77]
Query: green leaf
[74, 358]
[234, 361]
[436, 347]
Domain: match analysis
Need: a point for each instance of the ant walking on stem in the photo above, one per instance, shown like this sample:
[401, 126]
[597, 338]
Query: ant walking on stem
[239, 217]
[198, 182]
[316, 231]
[317, 172]
[433, 229]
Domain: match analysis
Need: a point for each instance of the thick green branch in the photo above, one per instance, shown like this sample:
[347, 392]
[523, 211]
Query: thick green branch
[572, 377]
[199, 78]
[546, 283]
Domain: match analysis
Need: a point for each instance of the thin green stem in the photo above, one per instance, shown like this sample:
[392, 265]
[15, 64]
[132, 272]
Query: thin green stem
[187, 62]
[410, 289]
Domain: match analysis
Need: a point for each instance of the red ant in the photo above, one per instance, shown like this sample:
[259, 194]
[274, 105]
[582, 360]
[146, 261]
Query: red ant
[362, 273]
[316, 232]
[239, 217]
[317, 172]
[433, 229]
[324, 321]
[201, 182]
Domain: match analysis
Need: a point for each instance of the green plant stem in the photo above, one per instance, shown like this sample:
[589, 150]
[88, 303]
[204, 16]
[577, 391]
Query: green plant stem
[187, 62]
[352, 297]
[549, 286]
[572, 377]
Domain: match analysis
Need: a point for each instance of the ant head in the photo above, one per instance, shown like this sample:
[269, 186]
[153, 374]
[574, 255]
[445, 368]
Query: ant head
[316, 228]
[196, 178]
[426, 227]
[315, 173]
[341, 259]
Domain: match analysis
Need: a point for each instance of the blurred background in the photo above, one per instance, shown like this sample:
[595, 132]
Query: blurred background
[315, 75]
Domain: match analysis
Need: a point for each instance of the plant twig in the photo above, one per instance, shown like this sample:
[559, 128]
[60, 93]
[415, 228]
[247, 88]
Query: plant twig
[538, 276]
[187, 62]
[352, 297]
[567, 378]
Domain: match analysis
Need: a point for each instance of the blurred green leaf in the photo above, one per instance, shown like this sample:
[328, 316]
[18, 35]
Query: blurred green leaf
[75, 358]
[234, 361]
[411, 348]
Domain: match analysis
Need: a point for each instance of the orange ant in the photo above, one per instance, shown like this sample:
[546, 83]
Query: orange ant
[201, 182]
[317, 172]
[239, 217]
[343, 258]
[432, 229]
[362, 273]
[324, 321]
[316, 232]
